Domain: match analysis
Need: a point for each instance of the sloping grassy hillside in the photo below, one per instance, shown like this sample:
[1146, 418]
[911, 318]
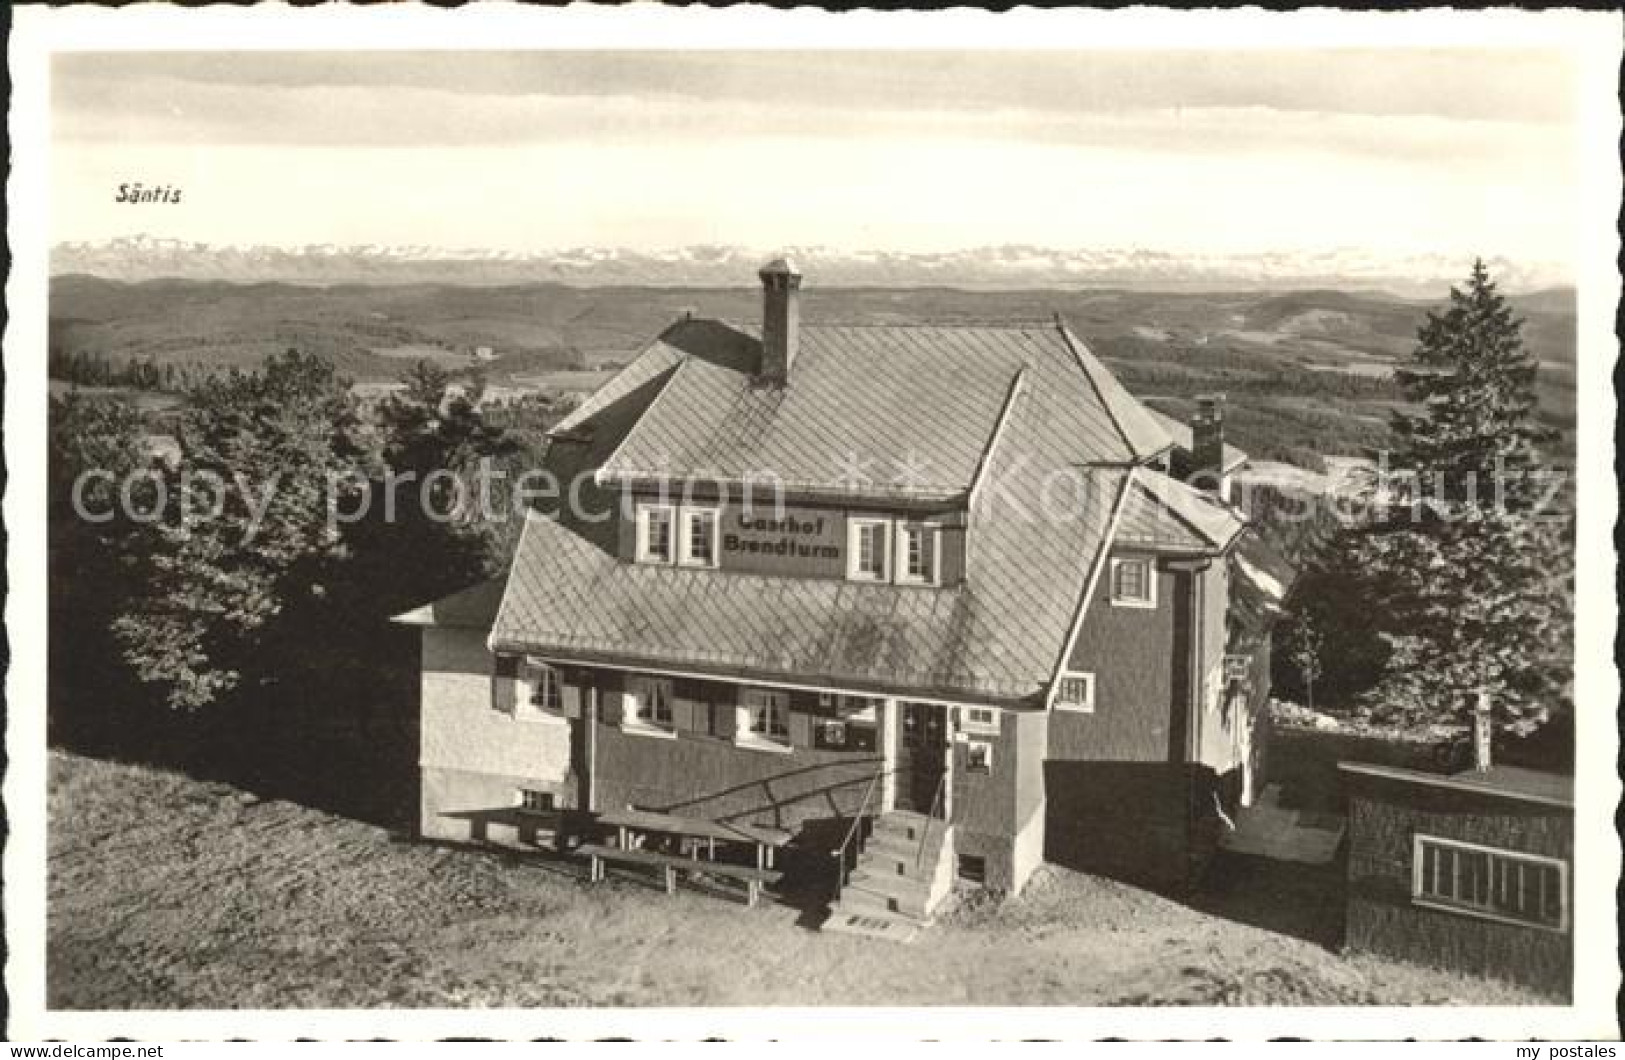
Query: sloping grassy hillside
[170, 893]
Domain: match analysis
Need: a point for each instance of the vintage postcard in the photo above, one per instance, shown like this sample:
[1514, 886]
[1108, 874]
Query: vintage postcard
[675, 523]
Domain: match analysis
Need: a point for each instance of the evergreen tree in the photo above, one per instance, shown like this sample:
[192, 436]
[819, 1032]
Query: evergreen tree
[1478, 573]
[1475, 383]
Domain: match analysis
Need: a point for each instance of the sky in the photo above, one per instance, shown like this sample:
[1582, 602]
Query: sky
[1391, 152]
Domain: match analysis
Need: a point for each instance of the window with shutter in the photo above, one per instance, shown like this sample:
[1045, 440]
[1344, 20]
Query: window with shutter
[764, 719]
[646, 706]
[540, 690]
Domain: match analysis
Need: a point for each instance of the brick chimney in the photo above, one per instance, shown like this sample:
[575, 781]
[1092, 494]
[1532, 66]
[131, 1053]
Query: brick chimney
[781, 320]
[1207, 443]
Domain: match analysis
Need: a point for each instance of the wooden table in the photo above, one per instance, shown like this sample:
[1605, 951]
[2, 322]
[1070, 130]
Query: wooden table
[765, 840]
[754, 879]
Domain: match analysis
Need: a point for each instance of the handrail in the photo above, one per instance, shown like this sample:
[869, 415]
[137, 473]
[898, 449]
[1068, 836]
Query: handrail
[852, 829]
[925, 833]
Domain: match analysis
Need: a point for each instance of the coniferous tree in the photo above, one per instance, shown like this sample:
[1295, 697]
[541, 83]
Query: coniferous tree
[1477, 570]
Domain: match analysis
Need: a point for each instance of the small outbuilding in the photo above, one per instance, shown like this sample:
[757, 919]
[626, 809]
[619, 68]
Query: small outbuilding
[1470, 871]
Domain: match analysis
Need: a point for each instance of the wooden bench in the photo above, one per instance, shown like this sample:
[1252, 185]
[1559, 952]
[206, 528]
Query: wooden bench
[669, 866]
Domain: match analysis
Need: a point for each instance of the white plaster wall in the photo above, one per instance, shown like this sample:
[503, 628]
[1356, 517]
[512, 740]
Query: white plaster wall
[479, 808]
[1027, 852]
[462, 731]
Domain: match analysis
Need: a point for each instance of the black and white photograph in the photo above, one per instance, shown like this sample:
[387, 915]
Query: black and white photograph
[1059, 512]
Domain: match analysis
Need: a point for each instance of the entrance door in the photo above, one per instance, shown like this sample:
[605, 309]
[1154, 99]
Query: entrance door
[922, 746]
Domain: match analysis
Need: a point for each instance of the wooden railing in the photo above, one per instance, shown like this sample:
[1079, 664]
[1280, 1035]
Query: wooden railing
[841, 853]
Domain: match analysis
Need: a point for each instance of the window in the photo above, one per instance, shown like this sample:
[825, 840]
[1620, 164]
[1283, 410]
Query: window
[829, 735]
[1236, 667]
[531, 801]
[868, 552]
[916, 554]
[978, 756]
[647, 704]
[972, 868]
[979, 719]
[668, 534]
[1076, 691]
[1134, 582]
[540, 688]
[848, 708]
[699, 537]
[654, 525]
[1483, 881]
[764, 717]
[845, 723]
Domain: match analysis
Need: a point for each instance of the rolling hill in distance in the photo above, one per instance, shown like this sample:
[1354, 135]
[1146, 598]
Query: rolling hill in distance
[1307, 368]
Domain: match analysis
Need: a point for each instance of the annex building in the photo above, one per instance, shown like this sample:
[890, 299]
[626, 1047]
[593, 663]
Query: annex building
[954, 581]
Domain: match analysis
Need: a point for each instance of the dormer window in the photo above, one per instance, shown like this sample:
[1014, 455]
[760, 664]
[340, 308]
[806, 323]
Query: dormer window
[916, 554]
[868, 550]
[655, 526]
[699, 544]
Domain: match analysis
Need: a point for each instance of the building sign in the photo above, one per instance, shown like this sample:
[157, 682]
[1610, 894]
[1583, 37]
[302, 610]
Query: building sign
[788, 541]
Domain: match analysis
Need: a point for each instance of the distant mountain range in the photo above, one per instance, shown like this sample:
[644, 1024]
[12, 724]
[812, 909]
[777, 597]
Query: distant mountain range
[143, 257]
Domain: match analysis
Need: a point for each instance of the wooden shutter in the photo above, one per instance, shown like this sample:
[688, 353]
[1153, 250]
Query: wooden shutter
[614, 710]
[504, 683]
[571, 695]
[685, 715]
[724, 717]
[801, 728]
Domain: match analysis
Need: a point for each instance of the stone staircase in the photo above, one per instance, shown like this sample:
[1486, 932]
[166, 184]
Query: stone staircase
[904, 872]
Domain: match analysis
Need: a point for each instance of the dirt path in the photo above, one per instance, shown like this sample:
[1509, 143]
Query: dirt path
[165, 892]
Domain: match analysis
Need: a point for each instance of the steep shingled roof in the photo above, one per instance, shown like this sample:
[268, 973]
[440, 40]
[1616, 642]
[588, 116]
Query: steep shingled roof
[999, 418]
[997, 637]
[1142, 431]
[874, 410]
[1165, 513]
[992, 639]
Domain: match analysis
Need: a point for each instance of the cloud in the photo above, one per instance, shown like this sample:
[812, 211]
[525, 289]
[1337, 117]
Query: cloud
[184, 113]
[1230, 151]
[1529, 86]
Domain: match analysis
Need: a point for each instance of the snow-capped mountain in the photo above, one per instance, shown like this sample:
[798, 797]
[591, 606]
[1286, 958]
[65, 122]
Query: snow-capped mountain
[144, 257]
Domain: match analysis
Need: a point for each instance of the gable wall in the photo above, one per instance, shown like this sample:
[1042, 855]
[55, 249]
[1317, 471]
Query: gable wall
[1138, 658]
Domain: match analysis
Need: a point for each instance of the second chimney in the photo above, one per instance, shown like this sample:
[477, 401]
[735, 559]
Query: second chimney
[781, 320]
[1207, 442]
